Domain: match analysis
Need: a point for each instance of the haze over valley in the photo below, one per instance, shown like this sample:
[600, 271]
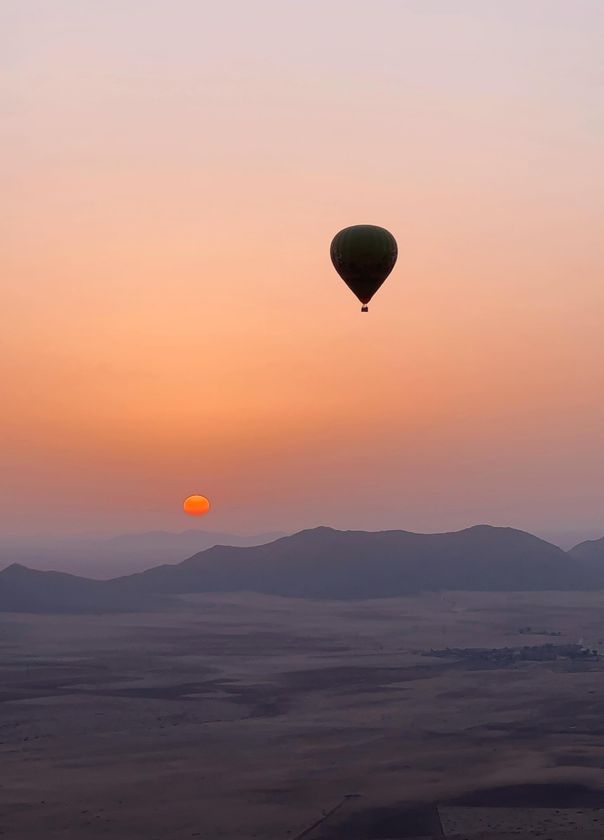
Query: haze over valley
[106, 557]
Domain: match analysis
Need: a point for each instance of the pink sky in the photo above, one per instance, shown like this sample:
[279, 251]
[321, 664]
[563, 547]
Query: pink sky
[173, 173]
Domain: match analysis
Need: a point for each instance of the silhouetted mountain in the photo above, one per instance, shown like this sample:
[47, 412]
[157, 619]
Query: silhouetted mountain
[120, 555]
[590, 554]
[29, 590]
[323, 563]
[566, 538]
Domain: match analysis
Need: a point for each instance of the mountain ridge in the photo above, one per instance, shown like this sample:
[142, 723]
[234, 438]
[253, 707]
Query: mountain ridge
[121, 554]
[591, 548]
[322, 563]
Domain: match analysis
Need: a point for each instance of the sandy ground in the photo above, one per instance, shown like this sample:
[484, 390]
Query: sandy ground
[253, 717]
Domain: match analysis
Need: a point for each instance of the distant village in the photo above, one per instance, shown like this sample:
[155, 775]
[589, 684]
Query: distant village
[531, 631]
[509, 655]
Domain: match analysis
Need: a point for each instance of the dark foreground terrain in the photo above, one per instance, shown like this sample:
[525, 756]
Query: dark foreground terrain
[258, 717]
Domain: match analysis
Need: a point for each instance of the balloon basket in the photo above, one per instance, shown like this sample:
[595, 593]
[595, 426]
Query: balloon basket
[364, 308]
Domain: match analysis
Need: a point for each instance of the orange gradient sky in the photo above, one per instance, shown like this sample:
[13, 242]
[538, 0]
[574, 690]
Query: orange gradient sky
[173, 173]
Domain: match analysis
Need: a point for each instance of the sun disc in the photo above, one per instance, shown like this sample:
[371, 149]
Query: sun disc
[196, 505]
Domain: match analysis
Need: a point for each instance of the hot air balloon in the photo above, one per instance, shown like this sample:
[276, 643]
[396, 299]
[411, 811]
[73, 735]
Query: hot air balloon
[363, 256]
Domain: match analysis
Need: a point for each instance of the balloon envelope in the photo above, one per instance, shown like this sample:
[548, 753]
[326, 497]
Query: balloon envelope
[363, 256]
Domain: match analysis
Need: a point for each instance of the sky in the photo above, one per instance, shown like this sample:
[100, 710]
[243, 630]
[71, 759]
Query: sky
[172, 175]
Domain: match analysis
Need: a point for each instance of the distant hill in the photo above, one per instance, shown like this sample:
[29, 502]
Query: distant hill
[29, 590]
[566, 538]
[325, 563]
[120, 555]
[322, 563]
[590, 554]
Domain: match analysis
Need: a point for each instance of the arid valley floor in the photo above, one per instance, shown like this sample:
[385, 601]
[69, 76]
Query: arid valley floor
[244, 716]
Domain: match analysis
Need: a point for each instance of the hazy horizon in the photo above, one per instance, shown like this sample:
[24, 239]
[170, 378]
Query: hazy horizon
[173, 177]
[563, 537]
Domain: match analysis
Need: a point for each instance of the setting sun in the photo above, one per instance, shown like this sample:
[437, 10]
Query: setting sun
[196, 505]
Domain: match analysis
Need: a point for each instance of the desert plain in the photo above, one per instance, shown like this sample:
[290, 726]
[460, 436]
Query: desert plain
[244, 716]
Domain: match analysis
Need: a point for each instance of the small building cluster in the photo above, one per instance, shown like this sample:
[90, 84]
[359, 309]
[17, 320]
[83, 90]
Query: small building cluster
[509, 655]
[531, 631]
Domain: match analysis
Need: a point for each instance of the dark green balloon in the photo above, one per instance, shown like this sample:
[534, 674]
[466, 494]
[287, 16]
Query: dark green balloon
[363, 256]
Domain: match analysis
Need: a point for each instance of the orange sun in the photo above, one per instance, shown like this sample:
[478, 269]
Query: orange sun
[196, 505]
